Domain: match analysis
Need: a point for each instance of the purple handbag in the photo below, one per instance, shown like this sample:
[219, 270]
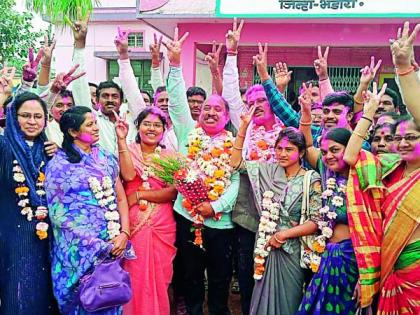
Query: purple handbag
[106, 287]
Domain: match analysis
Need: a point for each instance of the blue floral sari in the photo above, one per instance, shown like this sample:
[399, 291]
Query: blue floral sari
[78, 223]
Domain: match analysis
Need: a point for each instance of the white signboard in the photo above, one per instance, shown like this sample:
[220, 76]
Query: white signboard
[318, 8]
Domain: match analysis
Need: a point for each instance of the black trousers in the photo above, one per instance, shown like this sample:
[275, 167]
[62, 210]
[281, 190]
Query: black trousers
[191, 262]
[245, 246]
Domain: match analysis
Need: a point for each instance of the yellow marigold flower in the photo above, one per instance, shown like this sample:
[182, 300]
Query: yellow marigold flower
[228, 144]
[216, 152]
[41, 177]
[219, 173]
[42, 234]
[314, 267]
[318, 247]
[212, 195]
[21, 190]
[193, 150]
[219, 189]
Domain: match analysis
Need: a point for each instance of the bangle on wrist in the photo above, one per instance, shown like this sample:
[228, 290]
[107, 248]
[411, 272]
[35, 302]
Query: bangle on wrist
[122, 151]
[403, 73]
[232, 52]
[360, 135]
[126, 233]
[277, 240]
[237, 148]
[138, 196]
[240, 136]
[358, 102]
[305, 123]
[368, 119]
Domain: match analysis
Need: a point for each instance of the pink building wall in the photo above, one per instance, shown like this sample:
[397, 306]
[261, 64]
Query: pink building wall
[285, 36]
[100, 38]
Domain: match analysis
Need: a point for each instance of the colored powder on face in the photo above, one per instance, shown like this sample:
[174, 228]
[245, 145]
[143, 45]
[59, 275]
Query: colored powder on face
[86, 138]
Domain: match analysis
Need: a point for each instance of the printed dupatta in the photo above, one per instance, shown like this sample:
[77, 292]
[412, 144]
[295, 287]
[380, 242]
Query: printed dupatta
[365, 194]
[139, 165]
[401, 208]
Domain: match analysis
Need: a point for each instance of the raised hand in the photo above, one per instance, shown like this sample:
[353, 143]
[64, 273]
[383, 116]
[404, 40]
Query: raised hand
[369, 72]
[174, 48]
[121, 126]
[6, 80]
[62, 80]
[321, 64]
[246, 116]
[305, 100]
[80, 29]
[402, 48]
[30, 69]
[48, 51]
[155, 50]
[233, 36]
[282, 75]
[372, 100]
[121, 42]
[213, 57]
[260, 60]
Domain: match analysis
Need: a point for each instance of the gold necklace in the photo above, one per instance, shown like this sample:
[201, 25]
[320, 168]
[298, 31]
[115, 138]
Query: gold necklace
[297, 173]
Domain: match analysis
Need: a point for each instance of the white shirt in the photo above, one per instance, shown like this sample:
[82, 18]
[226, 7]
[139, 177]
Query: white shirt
[54, 133]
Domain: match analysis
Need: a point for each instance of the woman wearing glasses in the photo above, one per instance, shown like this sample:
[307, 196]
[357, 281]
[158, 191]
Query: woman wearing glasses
[152, 224]
[25, 283]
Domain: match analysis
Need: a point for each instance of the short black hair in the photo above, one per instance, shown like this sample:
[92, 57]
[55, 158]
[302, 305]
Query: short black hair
[66, 93]
[196, 90]
[109, 85]
[342, 98]
[294, 136]
[148, 94]
[160, 89]
[395, 97]
[93, 85]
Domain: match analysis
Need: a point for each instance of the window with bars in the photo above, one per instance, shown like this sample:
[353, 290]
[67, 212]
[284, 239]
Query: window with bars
[342, 78]
[136, 40]
[141, 70]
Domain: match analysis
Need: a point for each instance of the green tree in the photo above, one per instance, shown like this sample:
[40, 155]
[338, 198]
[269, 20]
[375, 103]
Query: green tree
[16, 34]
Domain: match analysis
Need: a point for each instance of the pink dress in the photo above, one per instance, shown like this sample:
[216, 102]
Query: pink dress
[153, 239]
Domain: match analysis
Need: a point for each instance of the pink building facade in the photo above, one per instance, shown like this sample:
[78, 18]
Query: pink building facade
[101, 56]
[293, 35]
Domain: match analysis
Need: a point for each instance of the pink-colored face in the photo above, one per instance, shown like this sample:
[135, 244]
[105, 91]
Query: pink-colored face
[214, 116]
[61, 105]
[383, 141]
[151, 130]
[336, 116]
[332, 155]
[89, 131]
[263, 112]
[287, 153]
[31, 119]
[407, 140]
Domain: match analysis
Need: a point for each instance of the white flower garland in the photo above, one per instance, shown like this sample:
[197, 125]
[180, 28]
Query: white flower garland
[22, 191]
[210, 158]
[146, 174]
[104, 194]
[266, 228]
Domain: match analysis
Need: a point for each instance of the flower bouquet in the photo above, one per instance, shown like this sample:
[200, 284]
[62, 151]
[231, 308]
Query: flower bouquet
[190, 185]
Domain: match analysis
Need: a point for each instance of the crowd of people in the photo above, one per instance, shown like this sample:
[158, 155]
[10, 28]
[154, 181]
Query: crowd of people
[316, 210]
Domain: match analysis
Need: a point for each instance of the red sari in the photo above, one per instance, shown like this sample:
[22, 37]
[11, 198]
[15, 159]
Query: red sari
[153, 239]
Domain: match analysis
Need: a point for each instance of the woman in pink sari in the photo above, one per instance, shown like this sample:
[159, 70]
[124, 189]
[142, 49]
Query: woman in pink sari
[152, 224]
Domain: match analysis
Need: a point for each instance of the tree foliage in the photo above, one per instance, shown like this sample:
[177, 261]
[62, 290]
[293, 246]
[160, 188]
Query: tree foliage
[57, 9]
[17, 34]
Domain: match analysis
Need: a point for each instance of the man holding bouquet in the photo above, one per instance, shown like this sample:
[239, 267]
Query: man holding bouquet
[207, 147]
